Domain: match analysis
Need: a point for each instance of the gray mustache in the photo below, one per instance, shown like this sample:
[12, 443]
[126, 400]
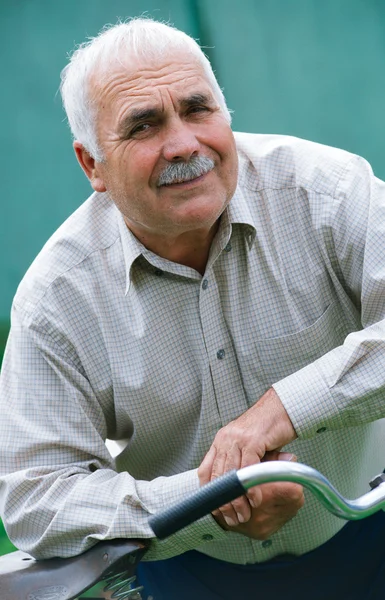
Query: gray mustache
[184, 171]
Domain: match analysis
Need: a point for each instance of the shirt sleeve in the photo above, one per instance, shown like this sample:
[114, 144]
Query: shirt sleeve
[59, 491]
[346, 386]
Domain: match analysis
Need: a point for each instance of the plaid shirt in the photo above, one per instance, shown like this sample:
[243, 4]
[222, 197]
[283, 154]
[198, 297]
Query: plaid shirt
[109, 340]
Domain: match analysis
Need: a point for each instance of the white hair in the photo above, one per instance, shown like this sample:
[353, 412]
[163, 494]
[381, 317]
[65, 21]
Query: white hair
[137, 38]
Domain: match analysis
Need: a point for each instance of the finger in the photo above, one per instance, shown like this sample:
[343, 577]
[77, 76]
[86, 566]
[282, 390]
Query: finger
[240, 505]
[254, 494]
[271, 455]
[288, 495]
[224, 462]
[205, 468]
[277, 455]
[278, 494]
[282, 496]
[291, 493]
[229, 513]
[287, 456]
[213, 466]
[230, 517]
[219, 463]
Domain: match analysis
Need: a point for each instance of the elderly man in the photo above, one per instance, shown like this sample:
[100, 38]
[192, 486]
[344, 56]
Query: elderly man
[219, 300]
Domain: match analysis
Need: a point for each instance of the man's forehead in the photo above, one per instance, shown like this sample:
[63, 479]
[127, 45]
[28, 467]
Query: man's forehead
[144, 79]
[183, 100]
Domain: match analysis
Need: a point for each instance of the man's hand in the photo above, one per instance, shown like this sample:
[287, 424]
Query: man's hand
[265, 427]
[280, 502]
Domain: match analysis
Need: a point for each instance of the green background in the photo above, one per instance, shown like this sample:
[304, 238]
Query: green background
[310, 68]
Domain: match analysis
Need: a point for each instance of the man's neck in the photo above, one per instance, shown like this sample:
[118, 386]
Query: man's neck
[191, 248]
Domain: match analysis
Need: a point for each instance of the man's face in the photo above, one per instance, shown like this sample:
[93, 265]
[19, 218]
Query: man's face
[151, 115]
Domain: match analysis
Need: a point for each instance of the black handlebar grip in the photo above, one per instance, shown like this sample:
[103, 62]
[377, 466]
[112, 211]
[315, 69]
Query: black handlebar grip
[209, 497]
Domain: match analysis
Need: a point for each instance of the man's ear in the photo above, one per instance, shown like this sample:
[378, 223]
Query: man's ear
[90, 167]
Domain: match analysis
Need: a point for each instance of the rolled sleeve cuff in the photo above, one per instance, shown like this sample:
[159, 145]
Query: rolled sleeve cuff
[308, 402]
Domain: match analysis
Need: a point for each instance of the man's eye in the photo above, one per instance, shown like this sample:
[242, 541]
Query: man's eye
[142, 127]
[198, 109]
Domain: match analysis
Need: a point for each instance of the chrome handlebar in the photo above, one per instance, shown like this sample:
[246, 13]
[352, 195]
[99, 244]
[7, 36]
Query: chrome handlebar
[236, 483]
[322, 489]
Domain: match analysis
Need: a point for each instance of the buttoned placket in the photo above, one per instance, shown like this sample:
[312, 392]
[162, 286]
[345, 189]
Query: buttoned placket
[220, 352]
[225, 374]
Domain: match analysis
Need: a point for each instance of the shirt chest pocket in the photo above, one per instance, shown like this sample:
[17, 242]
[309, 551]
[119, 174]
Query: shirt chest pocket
[281, 356]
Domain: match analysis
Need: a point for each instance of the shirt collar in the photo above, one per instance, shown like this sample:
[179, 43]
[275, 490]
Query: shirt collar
[238, 210]
[239, 213]
[131, 248]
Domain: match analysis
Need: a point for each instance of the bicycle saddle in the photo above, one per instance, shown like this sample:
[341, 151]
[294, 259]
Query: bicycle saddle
[24, 578]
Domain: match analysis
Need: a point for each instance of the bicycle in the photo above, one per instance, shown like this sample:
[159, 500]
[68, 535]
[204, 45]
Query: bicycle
[114, 562]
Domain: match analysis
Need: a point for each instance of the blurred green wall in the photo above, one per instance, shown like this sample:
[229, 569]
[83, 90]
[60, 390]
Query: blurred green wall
[311, 68]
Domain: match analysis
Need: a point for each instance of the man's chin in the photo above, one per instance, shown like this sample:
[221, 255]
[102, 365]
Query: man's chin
[200, 214]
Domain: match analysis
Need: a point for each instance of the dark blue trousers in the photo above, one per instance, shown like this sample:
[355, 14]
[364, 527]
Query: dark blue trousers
[350, 566]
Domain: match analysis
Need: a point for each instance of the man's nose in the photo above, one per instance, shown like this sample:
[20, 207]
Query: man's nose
[180, 143]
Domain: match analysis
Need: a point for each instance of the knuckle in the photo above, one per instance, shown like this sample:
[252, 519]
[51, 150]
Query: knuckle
[240, 503]
[202, 472]
[234, 433]
[255, 496]
[217, 443]
[223, 435]
[246, 437]
[297, 494]
[292, 492]
[216, 472]
[226, 509]
[242, 510]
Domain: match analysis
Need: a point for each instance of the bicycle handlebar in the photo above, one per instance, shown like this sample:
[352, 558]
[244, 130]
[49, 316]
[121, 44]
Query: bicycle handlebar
[235, 483]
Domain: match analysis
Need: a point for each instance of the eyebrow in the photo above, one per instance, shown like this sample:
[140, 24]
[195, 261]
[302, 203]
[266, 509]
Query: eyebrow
[196, 99]
[138, 115]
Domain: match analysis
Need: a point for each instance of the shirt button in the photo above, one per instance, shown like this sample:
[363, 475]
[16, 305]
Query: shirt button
[207, 537]
[266, 544]
[228, 247]
[321, 429]
[205, 284]
[158, 272]
[220, 354]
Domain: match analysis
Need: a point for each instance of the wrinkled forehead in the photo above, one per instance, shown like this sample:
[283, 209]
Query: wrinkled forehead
[133, 81]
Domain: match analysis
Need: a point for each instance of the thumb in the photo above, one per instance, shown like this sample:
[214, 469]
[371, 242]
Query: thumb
[287, 456]
[276, 455]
